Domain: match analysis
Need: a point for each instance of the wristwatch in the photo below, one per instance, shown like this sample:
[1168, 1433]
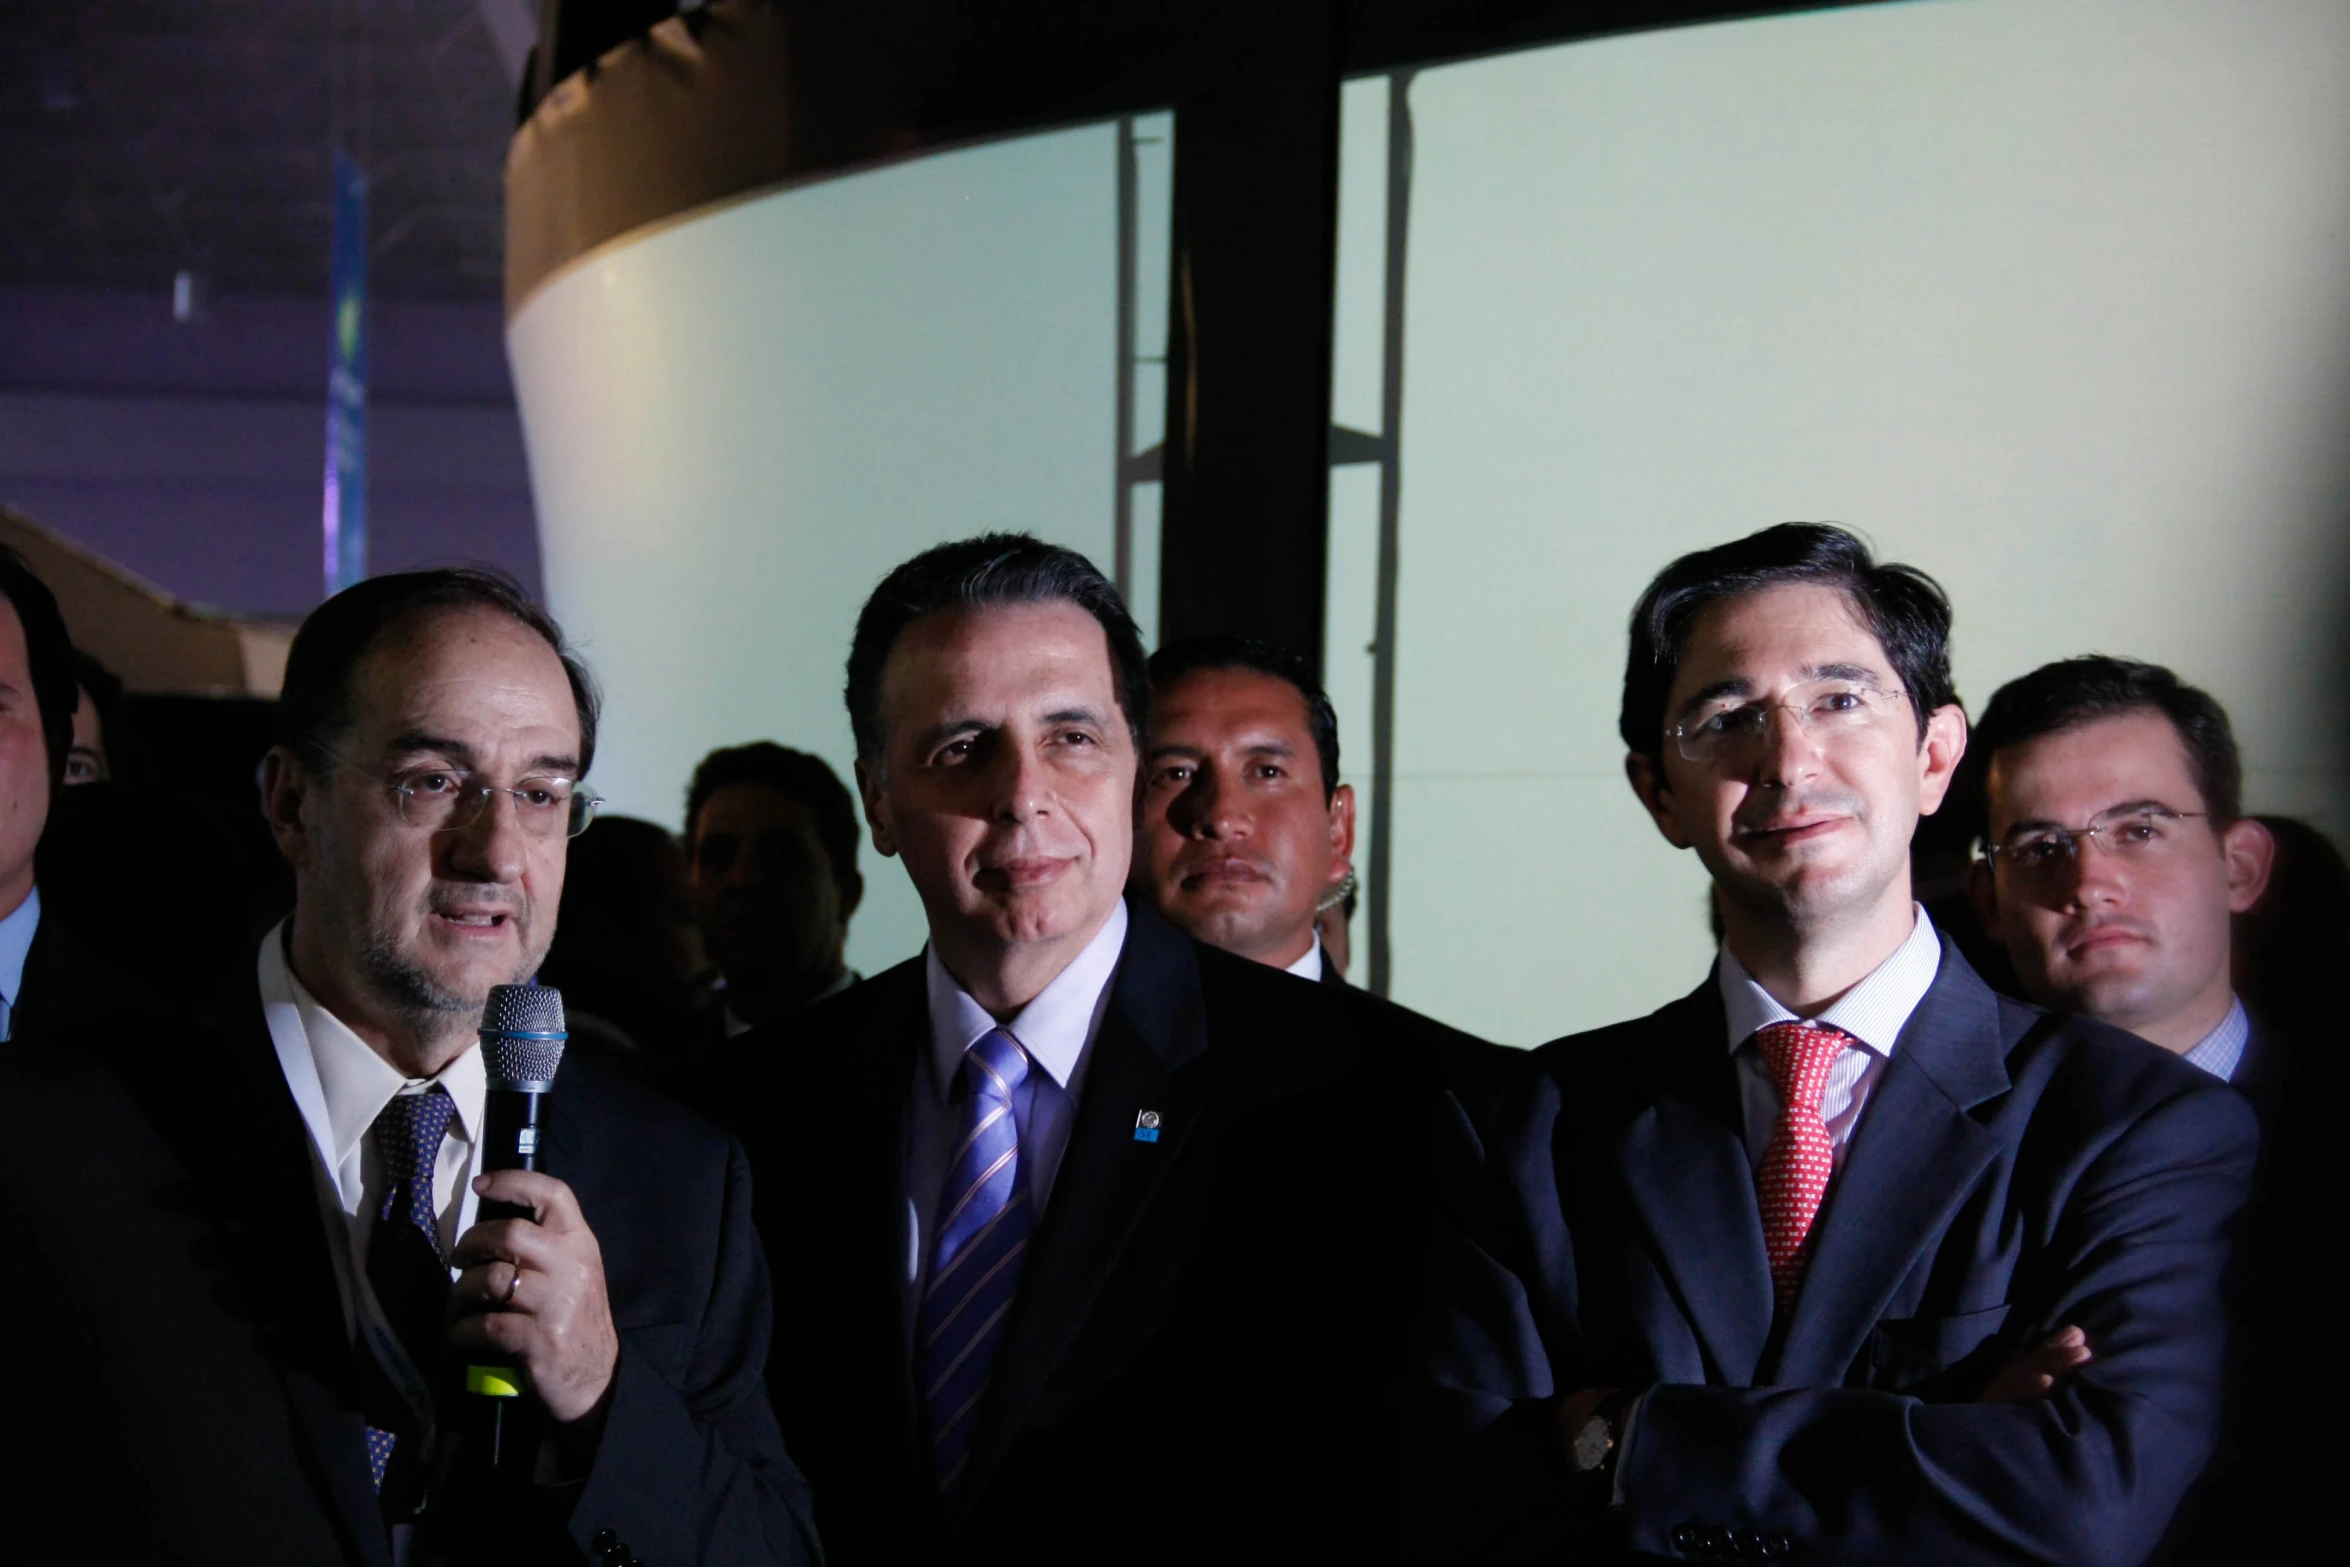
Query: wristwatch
[1593, 1447]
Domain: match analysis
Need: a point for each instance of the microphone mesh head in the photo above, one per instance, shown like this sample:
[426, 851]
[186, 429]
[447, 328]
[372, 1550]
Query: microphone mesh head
[513, 1013]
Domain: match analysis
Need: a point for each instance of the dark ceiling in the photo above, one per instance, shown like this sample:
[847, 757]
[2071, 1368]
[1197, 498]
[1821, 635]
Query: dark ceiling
[143, 138]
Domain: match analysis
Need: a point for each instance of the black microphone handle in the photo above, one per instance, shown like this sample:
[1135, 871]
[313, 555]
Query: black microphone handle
[510, 1141]
[505, 1434]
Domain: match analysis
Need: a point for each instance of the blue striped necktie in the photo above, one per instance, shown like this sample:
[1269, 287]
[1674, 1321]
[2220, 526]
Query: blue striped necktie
[984, 1220]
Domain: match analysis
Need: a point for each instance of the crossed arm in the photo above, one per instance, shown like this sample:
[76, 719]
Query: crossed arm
[2076, 1451]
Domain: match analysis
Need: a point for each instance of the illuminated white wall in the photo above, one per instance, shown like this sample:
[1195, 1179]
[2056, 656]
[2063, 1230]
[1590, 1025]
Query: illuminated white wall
[739, 422]
[2052, 300]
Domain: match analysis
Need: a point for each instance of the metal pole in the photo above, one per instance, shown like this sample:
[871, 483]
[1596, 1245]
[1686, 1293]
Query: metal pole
[1399, 202]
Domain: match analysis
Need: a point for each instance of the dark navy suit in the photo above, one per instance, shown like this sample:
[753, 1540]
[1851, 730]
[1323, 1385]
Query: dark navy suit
[2013, 1172]
[1210, 1325]
[202, 1397]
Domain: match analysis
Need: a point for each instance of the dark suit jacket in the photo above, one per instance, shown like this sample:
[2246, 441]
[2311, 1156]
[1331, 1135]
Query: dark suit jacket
[2013, 1172]
[2265, 1493]
[1209, 1326]
[66, 985]
[206, 1160]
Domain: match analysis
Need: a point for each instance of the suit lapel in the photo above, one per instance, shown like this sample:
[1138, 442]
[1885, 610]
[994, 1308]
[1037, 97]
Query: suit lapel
[263, 1187]
[1156, 1022]
[1913, 1159]
[1683, 1161]
[873, 1159]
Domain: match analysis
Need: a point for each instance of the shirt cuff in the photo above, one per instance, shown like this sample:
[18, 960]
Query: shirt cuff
[1624, 1450]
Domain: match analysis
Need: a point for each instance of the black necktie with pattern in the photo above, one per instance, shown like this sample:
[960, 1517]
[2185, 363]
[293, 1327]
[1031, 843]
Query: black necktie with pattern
[405, 1264]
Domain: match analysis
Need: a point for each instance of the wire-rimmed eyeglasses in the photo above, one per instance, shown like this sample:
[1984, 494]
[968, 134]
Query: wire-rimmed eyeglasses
[449, 799]
[1826, 710]
[2127, 832]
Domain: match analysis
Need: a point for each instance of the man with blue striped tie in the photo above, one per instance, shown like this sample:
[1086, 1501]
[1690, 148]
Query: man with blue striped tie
[1089, 1242]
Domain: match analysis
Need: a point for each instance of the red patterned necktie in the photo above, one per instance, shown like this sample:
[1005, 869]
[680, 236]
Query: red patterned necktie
[1795, 1169]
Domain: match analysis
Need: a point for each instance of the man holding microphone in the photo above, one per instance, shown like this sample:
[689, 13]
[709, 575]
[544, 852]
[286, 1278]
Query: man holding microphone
[319, 1160]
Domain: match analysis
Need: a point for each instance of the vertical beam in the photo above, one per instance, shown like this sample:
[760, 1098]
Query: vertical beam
[1122, 477]
[1399, 228]
[1248, 409]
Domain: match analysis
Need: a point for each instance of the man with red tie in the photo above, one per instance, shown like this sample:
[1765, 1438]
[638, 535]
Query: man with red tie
[1840, 1256]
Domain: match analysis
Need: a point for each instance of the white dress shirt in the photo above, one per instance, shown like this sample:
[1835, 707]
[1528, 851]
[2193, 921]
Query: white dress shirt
[341, 1085]
[1057, 1030]
[2221, 1051]
[1873, 1012]
[1309, 966]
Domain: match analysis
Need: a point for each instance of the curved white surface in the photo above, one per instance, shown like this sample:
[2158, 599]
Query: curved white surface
[737, 424]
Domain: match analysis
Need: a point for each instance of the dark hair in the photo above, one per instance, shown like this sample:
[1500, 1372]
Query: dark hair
[1904, 608]
[2076, 691]
[315, 701]
[1170, 664]
[48, 657]
[796, 776]
[995, 568]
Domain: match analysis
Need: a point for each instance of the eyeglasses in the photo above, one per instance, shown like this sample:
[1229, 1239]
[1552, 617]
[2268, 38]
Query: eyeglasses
[2127, 832]
[1827, 711]
[446, 799]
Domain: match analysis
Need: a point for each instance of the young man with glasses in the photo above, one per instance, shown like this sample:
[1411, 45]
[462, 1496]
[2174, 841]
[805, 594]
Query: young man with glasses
[326, 1148]
[1841, 1255]
[2116, 855]
[2106, 754]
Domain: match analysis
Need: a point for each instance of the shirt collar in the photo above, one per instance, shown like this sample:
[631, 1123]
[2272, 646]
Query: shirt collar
[1309, 966]
[1054, 1028]
[16, 943]
[2221, 1051]
[338, 1080]
[1873, 1011]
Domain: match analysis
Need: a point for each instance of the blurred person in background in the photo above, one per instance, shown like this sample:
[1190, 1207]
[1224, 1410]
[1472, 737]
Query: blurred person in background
[771, 852]
[1247, 834]
[98, 728]
[2122, 876]
[626, 954]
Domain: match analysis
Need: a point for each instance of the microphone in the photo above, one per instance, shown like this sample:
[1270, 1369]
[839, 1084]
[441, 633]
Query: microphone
[522, 1038]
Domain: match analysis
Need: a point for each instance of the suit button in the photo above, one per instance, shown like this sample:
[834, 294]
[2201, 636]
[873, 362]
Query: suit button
[1745, 1544]
[1775, 1546]
[1684, 1537]
[1715, 1541]
[603, 1542]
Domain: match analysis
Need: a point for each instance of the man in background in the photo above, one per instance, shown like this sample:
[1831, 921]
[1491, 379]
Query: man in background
[2117, 857]
[97, 723]
[626, 954]
[1247, 834]
[46, 976]
[1840, 1255]
[771, 854]
[2118, 852]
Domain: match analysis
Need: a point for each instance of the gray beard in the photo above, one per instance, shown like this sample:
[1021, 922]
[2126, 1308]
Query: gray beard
[411, 991]
[430, 1008]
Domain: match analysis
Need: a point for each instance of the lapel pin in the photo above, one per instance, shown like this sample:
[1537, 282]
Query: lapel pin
[1146, 1127]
